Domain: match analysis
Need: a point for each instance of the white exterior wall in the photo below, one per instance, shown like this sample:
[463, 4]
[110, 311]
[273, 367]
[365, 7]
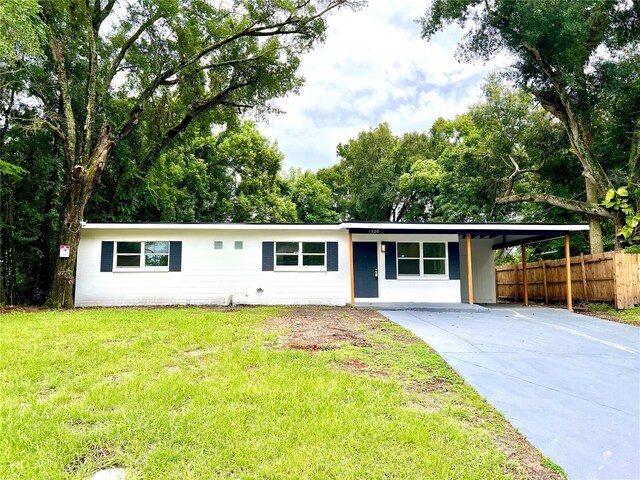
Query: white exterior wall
[210, 276]
[484, 275]
[411, 290]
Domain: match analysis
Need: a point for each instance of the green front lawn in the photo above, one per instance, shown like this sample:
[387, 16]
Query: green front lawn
[203, 393]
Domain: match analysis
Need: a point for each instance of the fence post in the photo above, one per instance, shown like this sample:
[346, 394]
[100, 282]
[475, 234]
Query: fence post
[584, 278]
[469, 269]
[544, 281]
[515, 283]
[567, 256]
[614, 269]
[525, 280]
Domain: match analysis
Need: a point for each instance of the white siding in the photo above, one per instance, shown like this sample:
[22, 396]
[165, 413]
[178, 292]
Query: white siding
[228, 275]
[484, 276]
[421, 290]
[210, 276]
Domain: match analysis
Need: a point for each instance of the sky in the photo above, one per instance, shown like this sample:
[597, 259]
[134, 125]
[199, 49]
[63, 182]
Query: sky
[373, 67]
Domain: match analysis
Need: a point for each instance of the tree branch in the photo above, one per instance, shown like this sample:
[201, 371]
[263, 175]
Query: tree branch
[517, 172]
[127, 45]
[273, 29]
[236, 105]
[578, 130]
[102, 14]
[196, 111]
[70, 137]
[210, 66]
[564, 203]
[91, 87]
[634, 156]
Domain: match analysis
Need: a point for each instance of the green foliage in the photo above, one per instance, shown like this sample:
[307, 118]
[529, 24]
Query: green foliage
[19, 28]
[124, 96]
[311, 197]
[229, 177]
[369, 167]
[580, 60]
[366, 183]
[421, 184]
[457, 170]
[618, 201]
[11, 169]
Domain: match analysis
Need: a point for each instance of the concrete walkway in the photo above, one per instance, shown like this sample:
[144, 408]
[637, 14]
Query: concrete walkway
[424, 307]
[570, 383]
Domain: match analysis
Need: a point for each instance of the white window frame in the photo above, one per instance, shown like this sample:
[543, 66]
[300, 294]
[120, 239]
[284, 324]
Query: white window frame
[299, 267]
[142, 267]
[421, 260]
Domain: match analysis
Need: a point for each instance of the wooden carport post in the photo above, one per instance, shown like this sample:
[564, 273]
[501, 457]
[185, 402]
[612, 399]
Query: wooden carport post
[525, 283]
[469, 269]
[567, 256]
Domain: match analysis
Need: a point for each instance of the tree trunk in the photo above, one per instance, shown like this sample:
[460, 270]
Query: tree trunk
[595, 227]
[61, 295]
[81, 188]
[9, 262]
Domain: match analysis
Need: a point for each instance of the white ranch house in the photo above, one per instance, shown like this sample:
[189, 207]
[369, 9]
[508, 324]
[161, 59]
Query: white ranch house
[125, 264]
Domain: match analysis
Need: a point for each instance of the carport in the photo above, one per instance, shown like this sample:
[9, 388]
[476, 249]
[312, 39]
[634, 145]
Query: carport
[374, 247]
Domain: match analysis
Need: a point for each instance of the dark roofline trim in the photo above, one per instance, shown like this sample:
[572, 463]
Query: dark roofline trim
[462, 231]
[339, 223]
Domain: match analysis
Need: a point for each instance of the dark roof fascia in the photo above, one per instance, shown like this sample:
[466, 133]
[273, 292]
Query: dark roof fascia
[463, 231]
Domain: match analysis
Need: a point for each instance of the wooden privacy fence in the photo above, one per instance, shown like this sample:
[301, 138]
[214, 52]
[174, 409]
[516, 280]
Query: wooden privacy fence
[601, 277]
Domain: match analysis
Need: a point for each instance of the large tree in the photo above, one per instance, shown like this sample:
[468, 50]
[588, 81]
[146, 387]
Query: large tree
[579, 59]
[109, 66]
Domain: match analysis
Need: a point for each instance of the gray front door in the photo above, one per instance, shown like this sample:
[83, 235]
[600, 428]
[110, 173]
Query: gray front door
[365, 269]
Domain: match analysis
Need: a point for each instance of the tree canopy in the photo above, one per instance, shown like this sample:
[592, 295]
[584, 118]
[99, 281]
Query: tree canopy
[580, 61]
[136, 111]
[108, 70]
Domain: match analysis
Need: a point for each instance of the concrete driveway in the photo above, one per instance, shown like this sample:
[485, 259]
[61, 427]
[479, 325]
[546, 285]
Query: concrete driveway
[570, 383]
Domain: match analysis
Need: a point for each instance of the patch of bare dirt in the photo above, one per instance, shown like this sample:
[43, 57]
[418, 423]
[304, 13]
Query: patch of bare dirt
[198, 352]
[20, 309]
[46, 393]
[524, 457]
[434, 385]
[118, 378]
[354, 365]
[98, 454]
[323, 328]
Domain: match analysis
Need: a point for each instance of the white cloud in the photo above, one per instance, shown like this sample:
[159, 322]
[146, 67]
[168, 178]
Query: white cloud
[373, 68]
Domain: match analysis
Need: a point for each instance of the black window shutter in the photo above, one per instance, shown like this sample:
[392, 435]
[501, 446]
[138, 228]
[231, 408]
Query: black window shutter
[454, 260]
[332, 256]
[267, 256]
[390, 266]
[175, 256]
[106, 257]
